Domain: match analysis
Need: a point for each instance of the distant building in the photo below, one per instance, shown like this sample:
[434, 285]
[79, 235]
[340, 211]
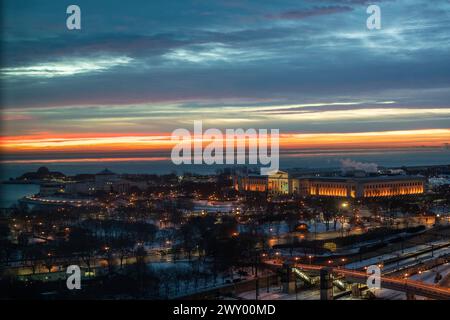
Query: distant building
[365, 187]
[42, 174]
[350, 187]
[49, 189]
[85, 187]
[106, 177]
[278, 183]
[198, 179]
[106, 181]
[252, 182]
[441, 180]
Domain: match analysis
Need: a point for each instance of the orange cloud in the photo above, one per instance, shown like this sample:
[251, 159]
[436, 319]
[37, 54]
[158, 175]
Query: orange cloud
[84, 143]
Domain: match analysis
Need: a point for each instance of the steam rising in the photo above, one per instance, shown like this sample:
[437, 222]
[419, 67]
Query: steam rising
[350, 165]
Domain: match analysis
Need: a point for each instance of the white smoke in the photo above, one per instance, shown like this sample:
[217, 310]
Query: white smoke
[350, 165]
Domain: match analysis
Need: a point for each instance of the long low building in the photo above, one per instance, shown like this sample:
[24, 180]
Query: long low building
[350, 187]
[364, 187]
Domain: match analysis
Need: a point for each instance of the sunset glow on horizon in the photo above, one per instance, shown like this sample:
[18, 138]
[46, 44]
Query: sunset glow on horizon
[162, 142]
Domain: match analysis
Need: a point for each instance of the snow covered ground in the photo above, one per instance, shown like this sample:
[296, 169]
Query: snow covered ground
[399, 253]
[426, 276]
[215, 206]
[275, 293]
[281, 228]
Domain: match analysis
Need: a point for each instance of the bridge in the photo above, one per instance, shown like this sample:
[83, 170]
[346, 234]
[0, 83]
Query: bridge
[411, 287]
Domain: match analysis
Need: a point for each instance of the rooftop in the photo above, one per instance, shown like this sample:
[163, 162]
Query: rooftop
[105, 172]
[367, 179]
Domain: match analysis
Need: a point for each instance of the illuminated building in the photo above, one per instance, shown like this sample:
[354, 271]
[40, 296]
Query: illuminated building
[349, 187]
[278, 183]
[275, 183]
[334, 187]
[365, 187]
[106, 181]
[252, 182]
[49, 189]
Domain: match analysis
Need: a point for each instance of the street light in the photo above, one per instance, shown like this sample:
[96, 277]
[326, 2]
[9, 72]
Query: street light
[406, 283]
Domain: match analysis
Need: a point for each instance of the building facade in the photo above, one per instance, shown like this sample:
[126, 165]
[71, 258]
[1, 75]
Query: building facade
[251, 183]
[278, 183]
[349, 187]
[366, 187]
[275, 183]
[105, 181]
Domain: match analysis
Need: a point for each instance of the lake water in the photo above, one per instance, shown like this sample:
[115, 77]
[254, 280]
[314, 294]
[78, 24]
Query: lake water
[293, 159]
[10, 193]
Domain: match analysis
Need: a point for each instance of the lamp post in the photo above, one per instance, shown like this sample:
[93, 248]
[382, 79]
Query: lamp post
[406, 281]
[256, 275]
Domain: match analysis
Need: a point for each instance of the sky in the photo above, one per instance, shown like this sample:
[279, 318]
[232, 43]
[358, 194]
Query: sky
[137, 70]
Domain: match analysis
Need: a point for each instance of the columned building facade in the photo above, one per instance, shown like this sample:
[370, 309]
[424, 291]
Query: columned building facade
[348, 187]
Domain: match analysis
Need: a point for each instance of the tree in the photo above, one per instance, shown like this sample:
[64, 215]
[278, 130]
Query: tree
[33, 254]
[144, 232]
[175, 216]
[141, 268]
[123, 245]
[190, 236]
[49, 261]
[291, 221]
[83, 243]
[6, 246]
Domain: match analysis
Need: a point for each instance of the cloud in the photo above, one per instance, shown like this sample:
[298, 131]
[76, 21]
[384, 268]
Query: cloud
[66, 67]
[350, 2]
[306, 13]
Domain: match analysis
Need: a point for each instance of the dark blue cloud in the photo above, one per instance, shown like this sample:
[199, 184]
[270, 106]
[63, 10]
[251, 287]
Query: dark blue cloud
[213, 52]
[306, 13]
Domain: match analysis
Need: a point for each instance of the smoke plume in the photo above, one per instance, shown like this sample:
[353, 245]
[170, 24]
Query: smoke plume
[350, 165]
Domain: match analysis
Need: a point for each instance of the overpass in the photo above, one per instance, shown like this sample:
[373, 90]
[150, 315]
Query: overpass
[307, 279]
[411, 287]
